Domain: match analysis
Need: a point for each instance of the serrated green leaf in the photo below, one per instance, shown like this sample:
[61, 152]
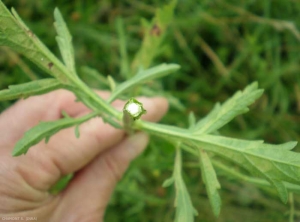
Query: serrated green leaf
[231, 172]
[275, 163]
[64, 40]
[25, 90]
[154, 33]
[222, 114]
[44, 130]
[16, 35]
[143, 76]
[211, 182]
[279, 185]
[272, 162]
[185, 210]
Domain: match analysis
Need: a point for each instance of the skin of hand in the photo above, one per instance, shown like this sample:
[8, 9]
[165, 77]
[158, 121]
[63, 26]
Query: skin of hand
[98, 158]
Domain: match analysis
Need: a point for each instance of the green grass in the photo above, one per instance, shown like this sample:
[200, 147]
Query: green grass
[222, 46]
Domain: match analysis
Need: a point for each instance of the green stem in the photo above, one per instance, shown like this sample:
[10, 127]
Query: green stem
[96, 99]
[164, 130]
[128, 123]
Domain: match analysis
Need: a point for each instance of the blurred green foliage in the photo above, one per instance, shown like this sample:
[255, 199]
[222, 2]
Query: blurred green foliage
[222, 46]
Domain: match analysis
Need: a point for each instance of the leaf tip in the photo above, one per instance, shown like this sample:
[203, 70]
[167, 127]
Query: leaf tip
[176, 66]
[14, 153]
[168, 182]
[57, 14]
[56, 11]
[260, 92]
[291, 145]
[17, 152]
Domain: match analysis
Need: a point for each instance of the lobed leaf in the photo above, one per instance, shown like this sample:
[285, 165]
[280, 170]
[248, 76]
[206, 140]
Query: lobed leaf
[16, 35]
[211, 181]
[64, 40]
[222, 114]
[45, 130]
[25, 90]
[231, 172]
[185, 210]
[143, 76]
[275, 163]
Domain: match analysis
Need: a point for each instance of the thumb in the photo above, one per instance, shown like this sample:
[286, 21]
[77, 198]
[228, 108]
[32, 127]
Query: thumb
[66, 154]
[99, 179]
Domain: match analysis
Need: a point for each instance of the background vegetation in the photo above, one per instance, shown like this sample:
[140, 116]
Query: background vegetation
[222, 46]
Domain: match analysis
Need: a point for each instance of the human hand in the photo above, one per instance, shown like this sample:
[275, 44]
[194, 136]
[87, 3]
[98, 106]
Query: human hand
[98, 158]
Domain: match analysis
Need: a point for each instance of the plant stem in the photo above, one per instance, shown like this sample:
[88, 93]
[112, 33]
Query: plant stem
[101, 104]
[128, 123]
[164, 130]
